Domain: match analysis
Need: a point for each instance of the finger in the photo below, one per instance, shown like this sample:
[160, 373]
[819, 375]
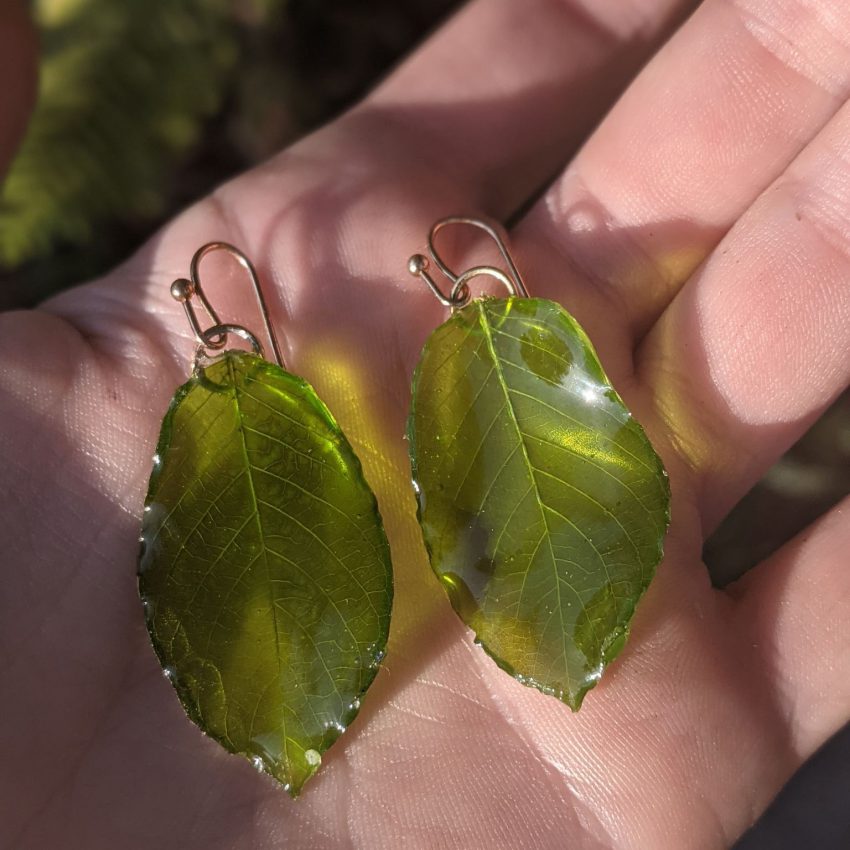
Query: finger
[794, 609]
[756, 345]
[713, 119]
[18, 72]
[508, 90]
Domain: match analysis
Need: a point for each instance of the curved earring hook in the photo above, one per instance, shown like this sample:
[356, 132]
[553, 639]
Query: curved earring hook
[460, 294]
[215, 337]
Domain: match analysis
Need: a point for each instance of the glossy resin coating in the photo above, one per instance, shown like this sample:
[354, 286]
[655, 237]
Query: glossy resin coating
[542, 502]
[264, 569]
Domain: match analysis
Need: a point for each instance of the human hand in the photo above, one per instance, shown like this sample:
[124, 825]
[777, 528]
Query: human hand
[701, 238]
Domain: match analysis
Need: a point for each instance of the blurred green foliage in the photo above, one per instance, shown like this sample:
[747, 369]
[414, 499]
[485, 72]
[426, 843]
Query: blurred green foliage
[123, 90]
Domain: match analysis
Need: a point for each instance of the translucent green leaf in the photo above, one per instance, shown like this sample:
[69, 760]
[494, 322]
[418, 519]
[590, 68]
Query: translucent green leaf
[264, 570]
[542, 503]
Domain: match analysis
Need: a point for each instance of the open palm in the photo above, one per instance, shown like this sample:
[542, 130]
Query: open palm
[701, 237]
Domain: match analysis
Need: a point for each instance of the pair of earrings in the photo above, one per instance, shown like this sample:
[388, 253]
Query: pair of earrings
[265, 572]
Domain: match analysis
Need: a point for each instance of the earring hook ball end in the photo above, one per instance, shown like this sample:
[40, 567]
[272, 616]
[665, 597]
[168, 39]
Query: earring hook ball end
[417, 264]
[182, 290]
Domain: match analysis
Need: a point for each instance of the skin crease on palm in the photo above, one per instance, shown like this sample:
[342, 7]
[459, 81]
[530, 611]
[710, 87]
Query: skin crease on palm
[700, 234]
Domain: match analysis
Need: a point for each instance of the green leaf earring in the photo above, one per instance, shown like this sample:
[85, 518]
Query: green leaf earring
[542, 503]
[264, 569]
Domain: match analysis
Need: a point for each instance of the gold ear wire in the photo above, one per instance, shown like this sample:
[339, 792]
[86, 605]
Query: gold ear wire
[460, 294]
[215, 336]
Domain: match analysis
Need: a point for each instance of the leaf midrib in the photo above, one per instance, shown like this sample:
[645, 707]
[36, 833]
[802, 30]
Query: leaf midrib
[256, 506]
[485, 327]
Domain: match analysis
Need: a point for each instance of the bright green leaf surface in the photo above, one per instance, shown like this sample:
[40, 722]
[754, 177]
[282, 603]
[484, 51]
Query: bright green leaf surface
[265, 572]
[542, 503]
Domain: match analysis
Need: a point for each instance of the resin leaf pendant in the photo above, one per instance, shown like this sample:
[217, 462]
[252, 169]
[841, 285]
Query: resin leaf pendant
[542, 502]
[264, 570]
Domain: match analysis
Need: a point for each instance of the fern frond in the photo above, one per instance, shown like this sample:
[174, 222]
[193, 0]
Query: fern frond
[124, 89]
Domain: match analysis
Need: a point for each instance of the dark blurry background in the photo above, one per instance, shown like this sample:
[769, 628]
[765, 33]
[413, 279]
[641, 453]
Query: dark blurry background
[147, 104]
